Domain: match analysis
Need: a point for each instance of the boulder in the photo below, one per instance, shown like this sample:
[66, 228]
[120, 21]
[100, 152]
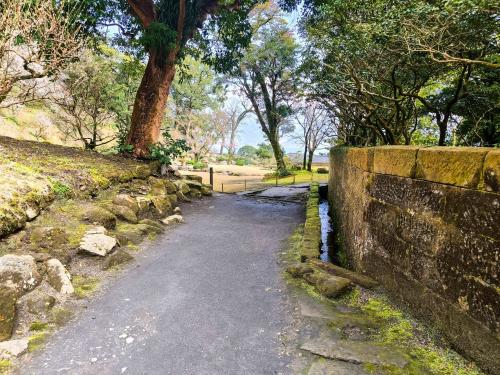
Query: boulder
[170, 187]
[96, 242]
[116, 258]
[332, 286]
[158, 186]
[193, 177]
[142, 171]
[194, 184]
[19, 272]
[177, 211]
[48, 238]
[173, 198]
[38, 302]
[13, 348]
[181, 197]
[58, 277]
[173, 219]
[195, 193]
[8, 297]
[299, 269]
[161, 204]
[144, 204]
[206, 191]
[152, 223]
[181, 186]
[126, 201]
[123, 213]
[100, 216]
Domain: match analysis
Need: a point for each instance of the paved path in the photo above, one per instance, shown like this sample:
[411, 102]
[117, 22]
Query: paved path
[206, 299]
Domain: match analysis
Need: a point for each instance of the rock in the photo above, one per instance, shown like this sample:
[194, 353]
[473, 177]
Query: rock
[124, 213]
[49, 238]
[118, 257]
[38, 302]
[161, 204]
[194, 184]
[58, 277]
[325, 367]
[152, 223]
[100, 216]
[142, 171]
[126, 201]
[158, 186]
[171, 188]
[96, 242]
[206, 191]
[332, 286]
[8, 297]
[193, 177]
[19, 272]
[357, 352]
[41, 257]
[177, 211]
[13, 348]
[144, 204]
[195, 193]
[174, 219]
[172, 198]
[181, 197]
[299, 269]
[181, 186]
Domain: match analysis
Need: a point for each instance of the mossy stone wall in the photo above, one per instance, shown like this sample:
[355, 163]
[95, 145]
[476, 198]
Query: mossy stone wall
[425, 222]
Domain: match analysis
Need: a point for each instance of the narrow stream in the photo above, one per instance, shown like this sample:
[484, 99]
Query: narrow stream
[327, 243]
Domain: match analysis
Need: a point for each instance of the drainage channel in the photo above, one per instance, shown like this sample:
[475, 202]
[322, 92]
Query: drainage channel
[327, 249]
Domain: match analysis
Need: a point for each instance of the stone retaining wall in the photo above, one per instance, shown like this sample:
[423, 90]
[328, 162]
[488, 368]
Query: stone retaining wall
[425, 222]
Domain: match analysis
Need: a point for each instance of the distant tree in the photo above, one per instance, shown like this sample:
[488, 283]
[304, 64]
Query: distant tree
[317, 127]
[265, 151]
[234, 115]
[247, 152]
[266, 76]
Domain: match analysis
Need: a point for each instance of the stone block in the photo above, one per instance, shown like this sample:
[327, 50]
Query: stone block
[395, 160]
[491, 171]
[458, 166]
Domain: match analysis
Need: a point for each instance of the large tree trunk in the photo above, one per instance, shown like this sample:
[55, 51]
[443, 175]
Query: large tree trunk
[304, 161]
[310, 160]
[149, 106]
[232, 143]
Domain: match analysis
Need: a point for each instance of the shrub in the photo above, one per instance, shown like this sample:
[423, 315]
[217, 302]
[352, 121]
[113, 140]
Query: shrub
[199, 165]
[322, 170]
[241, 162]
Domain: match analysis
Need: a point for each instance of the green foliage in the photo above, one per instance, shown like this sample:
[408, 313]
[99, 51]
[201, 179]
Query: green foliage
[241, 162]
[199, 165]
[247, 151]
[38, 326]
[62, 190]
[264, 151]
[168, 149]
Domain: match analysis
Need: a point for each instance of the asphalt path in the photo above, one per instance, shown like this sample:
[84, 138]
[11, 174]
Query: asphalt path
[206, 298]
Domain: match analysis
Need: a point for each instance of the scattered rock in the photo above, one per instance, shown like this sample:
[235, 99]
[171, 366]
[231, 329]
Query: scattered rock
[58, 277]
[299, 269]
[96, 242]
[174, 219]
[177, 211]
[100, 216]
[38, 302]
[49, 238]
[19, 272]
[195, 193]
[13, 348]
[116, 258]
[124, 213]
[357, 352]
[328, 285]
[161, 204]
[325, 367]
[8, 296]
[126, 200]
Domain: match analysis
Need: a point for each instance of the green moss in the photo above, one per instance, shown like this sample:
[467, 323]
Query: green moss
[36, 341]
[38, 326]
[5, 365]
[101, 181]
[60, 189]
[76, 233]
[84, 285]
